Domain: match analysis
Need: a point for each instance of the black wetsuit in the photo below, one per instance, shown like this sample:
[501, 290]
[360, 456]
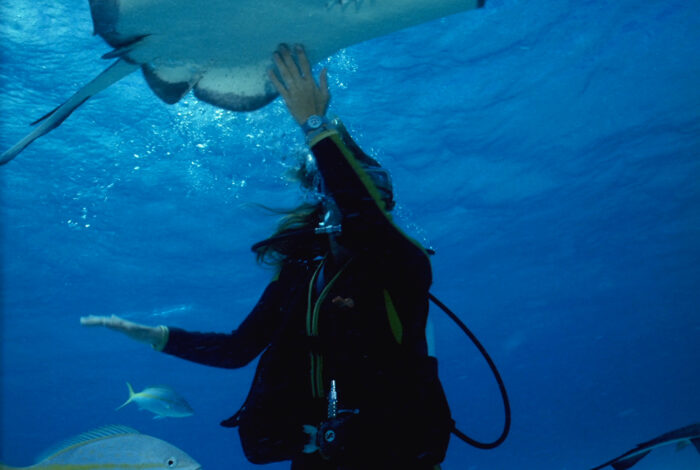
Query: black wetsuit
[360, 322]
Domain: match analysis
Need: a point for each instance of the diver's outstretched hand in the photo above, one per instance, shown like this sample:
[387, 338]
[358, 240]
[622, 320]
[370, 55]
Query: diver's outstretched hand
[297, 86]
[154, 335]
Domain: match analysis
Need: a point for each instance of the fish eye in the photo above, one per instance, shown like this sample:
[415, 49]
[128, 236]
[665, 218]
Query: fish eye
[171, 462]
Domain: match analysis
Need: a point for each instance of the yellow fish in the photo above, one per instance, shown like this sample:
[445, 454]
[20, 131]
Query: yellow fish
[113, 448]
[161, 400]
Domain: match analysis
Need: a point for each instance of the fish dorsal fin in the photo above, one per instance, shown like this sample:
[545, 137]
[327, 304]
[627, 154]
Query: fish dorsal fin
[99, 433]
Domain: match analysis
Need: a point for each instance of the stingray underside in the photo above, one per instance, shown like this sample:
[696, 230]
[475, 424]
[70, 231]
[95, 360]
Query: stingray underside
[240, 88]
[221, 49]
[235, 89]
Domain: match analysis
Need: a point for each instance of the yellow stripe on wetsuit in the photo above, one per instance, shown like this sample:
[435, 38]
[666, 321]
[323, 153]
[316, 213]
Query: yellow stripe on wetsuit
[393, 317]
[369, 185]
[312, 317]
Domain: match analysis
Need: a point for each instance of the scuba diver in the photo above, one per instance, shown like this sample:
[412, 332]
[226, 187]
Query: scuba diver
[344, 381]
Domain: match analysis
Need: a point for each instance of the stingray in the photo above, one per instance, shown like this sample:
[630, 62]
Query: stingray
[680, 437]
[221, 49]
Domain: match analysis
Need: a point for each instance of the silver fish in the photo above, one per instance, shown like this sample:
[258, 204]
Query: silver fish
[113, 448]
[161, 400]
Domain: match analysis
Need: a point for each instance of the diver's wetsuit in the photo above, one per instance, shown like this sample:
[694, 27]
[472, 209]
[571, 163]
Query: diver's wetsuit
[360, 322]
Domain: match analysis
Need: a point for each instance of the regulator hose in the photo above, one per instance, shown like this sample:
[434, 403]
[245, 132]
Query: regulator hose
[496, 374]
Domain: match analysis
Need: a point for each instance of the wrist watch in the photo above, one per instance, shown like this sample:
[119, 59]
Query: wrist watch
[312, 123]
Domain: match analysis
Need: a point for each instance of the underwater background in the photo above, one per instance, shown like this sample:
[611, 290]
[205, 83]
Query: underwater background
[548, 151]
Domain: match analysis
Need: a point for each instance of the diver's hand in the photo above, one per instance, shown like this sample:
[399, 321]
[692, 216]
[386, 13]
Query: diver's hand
[157, 336]
[297, 86]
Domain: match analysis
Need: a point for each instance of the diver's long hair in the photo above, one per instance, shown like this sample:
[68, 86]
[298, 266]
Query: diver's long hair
[294, 238]
[299, 223]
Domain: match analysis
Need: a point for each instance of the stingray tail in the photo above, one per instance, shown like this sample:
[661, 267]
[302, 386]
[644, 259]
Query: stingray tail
[52, 120]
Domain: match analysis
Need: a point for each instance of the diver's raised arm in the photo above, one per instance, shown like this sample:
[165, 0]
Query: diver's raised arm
[297, 86]
[156, 336]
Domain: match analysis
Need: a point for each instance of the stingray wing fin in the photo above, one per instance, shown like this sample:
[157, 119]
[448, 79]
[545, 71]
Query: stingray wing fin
[245, 88]
[170, 84]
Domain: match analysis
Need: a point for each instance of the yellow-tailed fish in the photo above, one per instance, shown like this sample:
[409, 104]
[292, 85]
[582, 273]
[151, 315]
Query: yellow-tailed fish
[113, 448]
[161, 400]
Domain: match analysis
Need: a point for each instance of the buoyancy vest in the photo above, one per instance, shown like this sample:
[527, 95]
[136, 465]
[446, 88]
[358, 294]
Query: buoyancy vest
[348, 331]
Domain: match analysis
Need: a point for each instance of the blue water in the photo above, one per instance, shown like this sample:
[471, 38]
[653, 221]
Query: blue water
[548, 151]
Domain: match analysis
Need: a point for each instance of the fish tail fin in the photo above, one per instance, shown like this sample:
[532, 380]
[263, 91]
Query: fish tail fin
[52, 120]
[131, 397]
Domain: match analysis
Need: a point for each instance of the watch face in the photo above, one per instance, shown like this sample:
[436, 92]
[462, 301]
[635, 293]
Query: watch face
[314, 121]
